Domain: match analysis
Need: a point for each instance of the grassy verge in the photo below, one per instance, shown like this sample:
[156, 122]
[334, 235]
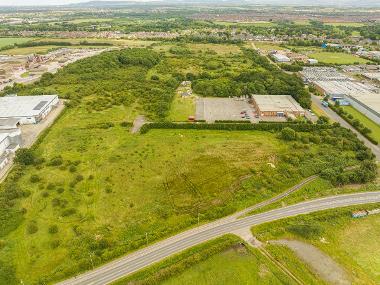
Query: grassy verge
[375, 128]
[357, 121]
[290, 260]
[351, 242]
[226, 260]
[316, 189]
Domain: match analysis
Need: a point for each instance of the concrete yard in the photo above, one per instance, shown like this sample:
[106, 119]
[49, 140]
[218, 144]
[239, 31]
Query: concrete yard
[30, 133]
[212, 109]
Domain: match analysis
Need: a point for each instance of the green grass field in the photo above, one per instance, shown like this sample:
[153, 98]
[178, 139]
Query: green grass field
[182, 108]
[375, 128]
[268, 46]
[11, 41]
[337, 58]
[346, 24]
[234, 266]
[353, 243]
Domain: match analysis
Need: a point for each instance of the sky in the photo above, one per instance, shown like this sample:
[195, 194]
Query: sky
[38, 2]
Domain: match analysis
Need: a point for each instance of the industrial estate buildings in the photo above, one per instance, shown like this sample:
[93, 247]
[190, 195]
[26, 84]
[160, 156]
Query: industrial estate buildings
[16, 111]
[329, 81]
[27, 109]
[277, 106]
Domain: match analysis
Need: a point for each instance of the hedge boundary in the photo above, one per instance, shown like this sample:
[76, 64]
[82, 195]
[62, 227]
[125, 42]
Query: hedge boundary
[302, 127]
[342, 114]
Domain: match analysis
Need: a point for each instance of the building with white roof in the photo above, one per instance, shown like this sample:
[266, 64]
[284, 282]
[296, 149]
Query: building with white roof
[277, 106]
[362, 97]
[27, 109]
[280, 57]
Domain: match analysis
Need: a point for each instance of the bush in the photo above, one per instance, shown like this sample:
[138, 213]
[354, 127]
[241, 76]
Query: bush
[35, 178]
[53, 229]
[288, 134]
[25, 156]
[32, 228]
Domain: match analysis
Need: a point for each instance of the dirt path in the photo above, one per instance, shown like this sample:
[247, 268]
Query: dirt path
[137, 124]
[320, 262]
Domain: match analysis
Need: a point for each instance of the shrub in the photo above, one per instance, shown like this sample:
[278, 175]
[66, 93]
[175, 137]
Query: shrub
[72, 168]
[56, 161]
[35, 178]
[68, 212]
[288, 134]
[32, 228]
[53, 229]
[25, 156]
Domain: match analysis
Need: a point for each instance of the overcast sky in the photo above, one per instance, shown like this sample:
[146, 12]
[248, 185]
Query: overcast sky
[38, 2]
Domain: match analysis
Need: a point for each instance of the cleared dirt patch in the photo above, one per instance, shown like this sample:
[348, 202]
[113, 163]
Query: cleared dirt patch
[321, 263]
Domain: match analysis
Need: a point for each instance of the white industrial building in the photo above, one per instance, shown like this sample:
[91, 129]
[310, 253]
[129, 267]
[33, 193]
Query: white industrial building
[27, 109]
[311, 74]
[280, 57]
[362, 97]
[10, 141]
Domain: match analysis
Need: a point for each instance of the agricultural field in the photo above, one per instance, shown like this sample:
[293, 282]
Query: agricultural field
[268, 46]
[337, 234]
[10, 41]
[337, 58]
[375, 128]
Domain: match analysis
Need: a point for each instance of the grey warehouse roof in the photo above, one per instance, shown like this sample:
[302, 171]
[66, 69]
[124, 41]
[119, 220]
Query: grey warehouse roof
[24, 106]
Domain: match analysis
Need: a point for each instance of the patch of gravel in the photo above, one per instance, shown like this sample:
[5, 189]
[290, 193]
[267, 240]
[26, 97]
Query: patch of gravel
[319, 262]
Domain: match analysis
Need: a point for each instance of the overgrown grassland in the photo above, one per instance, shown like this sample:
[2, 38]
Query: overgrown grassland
[90, 190]
[375, 128]
[337, 58]
[353, 243]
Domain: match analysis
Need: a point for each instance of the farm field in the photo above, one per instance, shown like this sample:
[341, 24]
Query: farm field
[268, 46]
[337, 58]
[336, 233]
[346, 24]
[11, 41]
[375, 128]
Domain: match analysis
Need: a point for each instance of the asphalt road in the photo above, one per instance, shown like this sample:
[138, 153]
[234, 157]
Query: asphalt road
[156, 252]
[330, 113]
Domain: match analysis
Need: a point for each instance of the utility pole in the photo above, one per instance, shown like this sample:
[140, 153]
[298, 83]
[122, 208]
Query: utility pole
[146, 236]
[198, 218]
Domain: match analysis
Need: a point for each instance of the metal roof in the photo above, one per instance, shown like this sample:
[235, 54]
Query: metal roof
[277, 103]
[24, 106]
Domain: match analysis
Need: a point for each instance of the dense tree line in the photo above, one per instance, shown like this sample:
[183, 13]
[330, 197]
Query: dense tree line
[261, 78]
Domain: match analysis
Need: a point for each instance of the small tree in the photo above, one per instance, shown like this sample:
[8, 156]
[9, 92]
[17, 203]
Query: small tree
[25, 156]
[323, 120]
[288, 134]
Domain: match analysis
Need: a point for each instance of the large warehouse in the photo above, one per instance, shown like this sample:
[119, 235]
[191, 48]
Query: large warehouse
[277, 106]
[27, 109]
[362, 97]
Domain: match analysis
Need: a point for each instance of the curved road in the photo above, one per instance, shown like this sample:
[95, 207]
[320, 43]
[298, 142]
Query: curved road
[156, 252]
